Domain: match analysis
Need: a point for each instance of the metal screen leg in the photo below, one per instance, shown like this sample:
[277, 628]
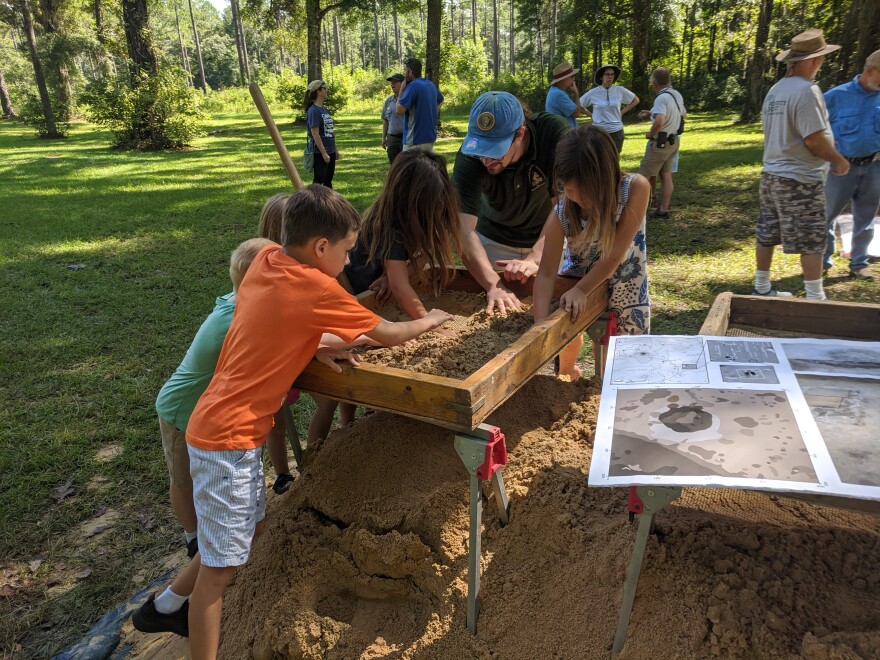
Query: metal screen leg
[501, 501]
[476, 516]
[292, 435]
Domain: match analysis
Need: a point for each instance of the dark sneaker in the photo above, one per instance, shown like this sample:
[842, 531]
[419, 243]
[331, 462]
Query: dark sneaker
[282, 483]
[861, 274]
[147, 619]
[192, 547]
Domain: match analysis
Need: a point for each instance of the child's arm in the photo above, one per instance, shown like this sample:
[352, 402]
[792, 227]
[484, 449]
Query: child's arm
[391, 334]
[332, 341]
[574, 300]
[542, 290]
[405, 296]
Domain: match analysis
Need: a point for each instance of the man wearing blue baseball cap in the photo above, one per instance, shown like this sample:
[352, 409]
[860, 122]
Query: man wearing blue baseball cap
[503, 175]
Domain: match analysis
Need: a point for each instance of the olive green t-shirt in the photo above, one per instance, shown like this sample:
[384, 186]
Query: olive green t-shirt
[511, 207]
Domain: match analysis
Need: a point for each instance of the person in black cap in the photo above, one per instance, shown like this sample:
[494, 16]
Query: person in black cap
[503, 176]
[392, 123]
[606, 100]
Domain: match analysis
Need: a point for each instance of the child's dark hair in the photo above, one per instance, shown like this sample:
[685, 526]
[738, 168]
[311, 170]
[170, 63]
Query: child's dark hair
[317, 212]
[417, 208]
[587, 158]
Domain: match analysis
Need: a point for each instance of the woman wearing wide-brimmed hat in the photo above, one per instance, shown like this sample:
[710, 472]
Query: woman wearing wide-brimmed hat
[562, 97]
[321, 133]
[606, 100]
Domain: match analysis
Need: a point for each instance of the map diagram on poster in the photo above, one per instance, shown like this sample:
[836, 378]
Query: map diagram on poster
[769, 414]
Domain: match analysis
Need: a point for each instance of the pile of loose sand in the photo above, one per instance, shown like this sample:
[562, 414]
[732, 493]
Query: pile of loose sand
[366, 556]
[480, 336]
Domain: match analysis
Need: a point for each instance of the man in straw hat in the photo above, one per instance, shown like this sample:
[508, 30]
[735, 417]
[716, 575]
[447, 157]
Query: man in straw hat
[607, 99]
[798, 146]
[562, 97]
[854, 110]
[503, 176]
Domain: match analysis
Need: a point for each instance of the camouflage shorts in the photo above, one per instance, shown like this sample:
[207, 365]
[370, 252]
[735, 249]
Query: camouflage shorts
[793, 214]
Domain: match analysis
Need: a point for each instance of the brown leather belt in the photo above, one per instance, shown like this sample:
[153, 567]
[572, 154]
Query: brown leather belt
[862, 160]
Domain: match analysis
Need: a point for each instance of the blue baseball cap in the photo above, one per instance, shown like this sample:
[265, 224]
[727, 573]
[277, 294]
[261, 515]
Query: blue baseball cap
[495, 118]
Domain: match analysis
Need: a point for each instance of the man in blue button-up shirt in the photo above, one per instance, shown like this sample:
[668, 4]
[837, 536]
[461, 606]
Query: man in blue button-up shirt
[854, 110]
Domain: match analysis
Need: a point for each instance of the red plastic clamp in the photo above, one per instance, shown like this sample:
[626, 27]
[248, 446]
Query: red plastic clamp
[634, 504]
[496, 454]
[610, 328]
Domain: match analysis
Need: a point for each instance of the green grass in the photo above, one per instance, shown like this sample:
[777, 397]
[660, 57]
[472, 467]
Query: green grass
[86, 349]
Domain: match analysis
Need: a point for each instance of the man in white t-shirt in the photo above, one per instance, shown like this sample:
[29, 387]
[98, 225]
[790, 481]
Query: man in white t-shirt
[798, 147]
[606, 101]
[667, 116]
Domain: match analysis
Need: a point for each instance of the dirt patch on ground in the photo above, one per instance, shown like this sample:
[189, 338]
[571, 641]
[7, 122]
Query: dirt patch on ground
[480, 336]
[366, 556]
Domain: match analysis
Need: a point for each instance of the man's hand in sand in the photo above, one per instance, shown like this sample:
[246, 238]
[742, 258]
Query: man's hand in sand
[329, 356]
[517, 270]
[500, 298]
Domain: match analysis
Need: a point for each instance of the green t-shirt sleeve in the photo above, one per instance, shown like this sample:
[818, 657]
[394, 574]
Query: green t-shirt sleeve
[468, 175]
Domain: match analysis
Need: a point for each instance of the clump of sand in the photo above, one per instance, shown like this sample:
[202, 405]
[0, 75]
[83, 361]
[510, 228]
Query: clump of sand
[480, 336]
[366, 556]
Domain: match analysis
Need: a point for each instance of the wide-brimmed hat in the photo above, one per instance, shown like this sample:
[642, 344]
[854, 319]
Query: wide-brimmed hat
[562, 71]
[395, 77]
[315, 85]
[807, 45]
[601, 71]
[495, 118]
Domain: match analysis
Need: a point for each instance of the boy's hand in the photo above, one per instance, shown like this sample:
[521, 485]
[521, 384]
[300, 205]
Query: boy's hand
[328, 356]
[438, 317]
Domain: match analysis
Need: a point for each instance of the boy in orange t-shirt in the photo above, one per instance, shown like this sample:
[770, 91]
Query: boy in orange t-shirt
[287, 300]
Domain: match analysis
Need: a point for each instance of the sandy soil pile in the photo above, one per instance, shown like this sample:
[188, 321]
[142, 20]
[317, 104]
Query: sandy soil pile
[480, 336]
[366, 556]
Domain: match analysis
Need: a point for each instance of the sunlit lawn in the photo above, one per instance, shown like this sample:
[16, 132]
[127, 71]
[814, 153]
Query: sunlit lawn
[110, 261]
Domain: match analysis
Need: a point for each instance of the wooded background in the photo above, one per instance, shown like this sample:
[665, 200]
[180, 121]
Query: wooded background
[720, 52]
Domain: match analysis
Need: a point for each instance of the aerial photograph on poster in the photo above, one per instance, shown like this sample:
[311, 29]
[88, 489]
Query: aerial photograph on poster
[834, 357]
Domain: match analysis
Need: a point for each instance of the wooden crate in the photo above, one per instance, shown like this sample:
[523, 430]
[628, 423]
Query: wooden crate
[460, 405]
[756, 316]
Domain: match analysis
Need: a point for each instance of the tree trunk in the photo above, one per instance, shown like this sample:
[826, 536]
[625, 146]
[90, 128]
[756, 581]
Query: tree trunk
[869, 32]
[336, 45]
[710, 60]
[378, 40]
[241, 49]
[135, 18]
[512, 63]
[192, 19]
[313, 38]
[692, 19]
[59, 57]
[432, 42]
[641, 45]
[452, 22]
[474, 20]
[51, 130]
[496, 47]
[755, 78]
[183, 56]
[5, 101]
[540, 48]
[398, 56]
[554, 9]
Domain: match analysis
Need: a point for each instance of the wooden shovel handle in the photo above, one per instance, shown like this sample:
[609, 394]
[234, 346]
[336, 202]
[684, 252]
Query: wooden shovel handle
[260, 102]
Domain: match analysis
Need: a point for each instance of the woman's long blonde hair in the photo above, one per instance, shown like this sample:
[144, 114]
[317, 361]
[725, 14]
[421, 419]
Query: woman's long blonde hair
[587, 158]
[418, 208]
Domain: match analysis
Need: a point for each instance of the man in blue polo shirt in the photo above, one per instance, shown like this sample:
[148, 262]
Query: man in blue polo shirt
[419, 102]
[854, 111]
[563, 98]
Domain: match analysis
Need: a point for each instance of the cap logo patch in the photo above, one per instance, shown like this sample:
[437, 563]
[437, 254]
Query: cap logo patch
[485, 121]
[472, 144]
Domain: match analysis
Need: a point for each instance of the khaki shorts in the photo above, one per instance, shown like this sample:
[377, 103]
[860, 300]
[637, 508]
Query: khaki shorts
[176, 454]
[658, 161]
[793, 214]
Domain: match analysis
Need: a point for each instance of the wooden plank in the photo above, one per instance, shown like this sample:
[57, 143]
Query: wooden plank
[499, 378]
[424, 396]
[718, 318]
[811, 317]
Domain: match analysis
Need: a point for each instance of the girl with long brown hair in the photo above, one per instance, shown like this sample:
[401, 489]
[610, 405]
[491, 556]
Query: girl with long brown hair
[601, 212]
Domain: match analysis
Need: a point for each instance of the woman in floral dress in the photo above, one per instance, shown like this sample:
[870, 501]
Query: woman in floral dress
[601, 213]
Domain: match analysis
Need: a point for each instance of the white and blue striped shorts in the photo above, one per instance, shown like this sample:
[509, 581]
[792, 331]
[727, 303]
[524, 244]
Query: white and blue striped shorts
[229, 493]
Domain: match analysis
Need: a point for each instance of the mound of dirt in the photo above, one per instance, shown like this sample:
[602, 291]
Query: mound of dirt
[366, 556]
[480, 336]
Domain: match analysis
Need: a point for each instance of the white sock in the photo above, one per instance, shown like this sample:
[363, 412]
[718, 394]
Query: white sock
[169, 602]
[762, 281]
[189, 536]
[815, 290]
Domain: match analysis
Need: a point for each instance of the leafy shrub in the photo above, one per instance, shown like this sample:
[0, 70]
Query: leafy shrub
[31, 113]
[160, 112]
